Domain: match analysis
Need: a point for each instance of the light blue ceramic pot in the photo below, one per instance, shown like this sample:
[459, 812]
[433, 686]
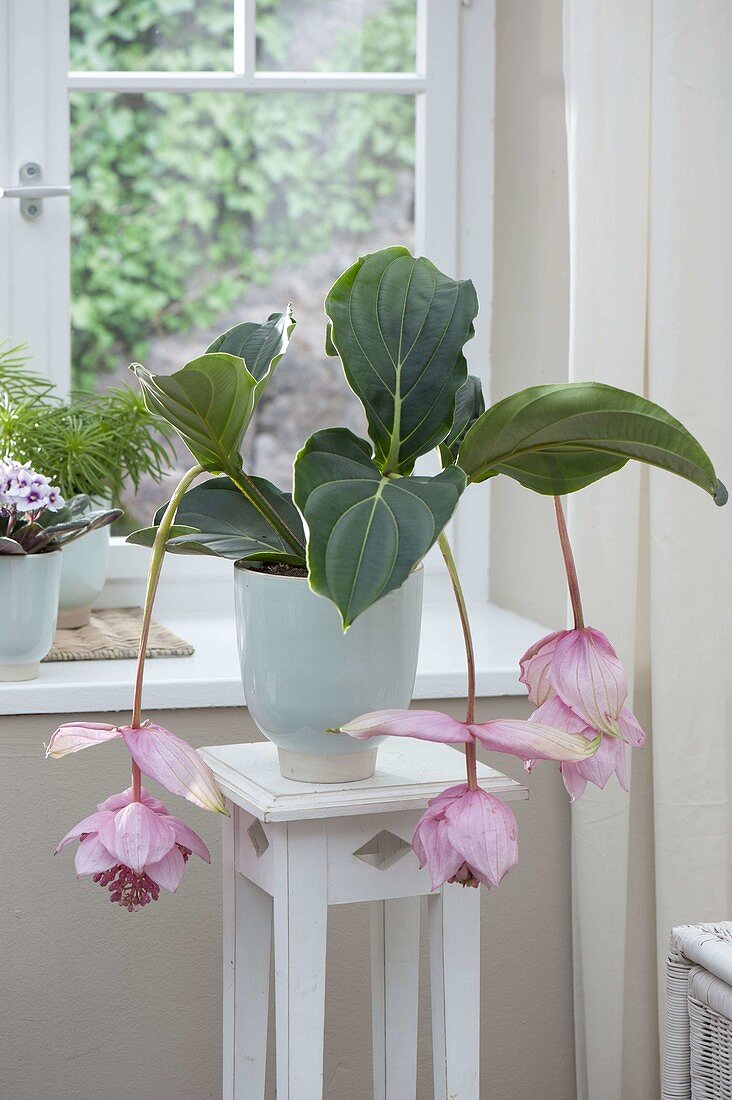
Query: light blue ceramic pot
[83, 574]
[302, 675]
[29, 587]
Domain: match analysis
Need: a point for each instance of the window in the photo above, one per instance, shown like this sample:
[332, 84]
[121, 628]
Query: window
[226, 157]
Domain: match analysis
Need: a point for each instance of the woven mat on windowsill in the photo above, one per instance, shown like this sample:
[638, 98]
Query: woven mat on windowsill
[114, 634]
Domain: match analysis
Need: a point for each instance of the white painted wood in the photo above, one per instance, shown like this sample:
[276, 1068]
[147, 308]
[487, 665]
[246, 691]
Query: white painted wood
[240, 36]
[258, 850]
[454, 936]
[229, 915]
[351, 878]
[247, 939]
[34, 277]
[211, 677]
[408, 773]
[396, 83]
[300, 924]
[311, 845]
[250, 37]
[394, 997]
[475, 141]
[436, 167]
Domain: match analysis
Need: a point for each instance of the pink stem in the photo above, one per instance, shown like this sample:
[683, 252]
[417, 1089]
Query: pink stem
[153, 577]
[569, 566]
[136, 782]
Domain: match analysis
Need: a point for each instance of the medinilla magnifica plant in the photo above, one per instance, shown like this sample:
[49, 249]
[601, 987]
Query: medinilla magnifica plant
[360, 520]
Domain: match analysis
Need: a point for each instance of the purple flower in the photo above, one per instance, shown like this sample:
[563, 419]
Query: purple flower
[22, 489]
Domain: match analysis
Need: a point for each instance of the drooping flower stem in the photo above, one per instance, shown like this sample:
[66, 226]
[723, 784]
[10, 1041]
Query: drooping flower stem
[153, 576]
[569, 565]
[470, 757]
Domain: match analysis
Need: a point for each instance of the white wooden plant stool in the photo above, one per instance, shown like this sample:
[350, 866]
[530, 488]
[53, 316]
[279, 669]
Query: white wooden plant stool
[291, 850]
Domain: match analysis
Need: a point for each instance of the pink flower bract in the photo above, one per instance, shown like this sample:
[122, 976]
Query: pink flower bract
[466, 836]
[526, 740]
[586, 696]
[134, 848]
[158, 753]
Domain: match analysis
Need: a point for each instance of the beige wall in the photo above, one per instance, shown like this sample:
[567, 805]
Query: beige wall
[95, 998]
[98, 1003]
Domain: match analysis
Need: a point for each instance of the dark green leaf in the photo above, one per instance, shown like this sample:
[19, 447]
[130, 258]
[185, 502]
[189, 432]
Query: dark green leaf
[209, 402]
[366, 531]
[76, 519]
[10, 546]
[260, 346]
[557, 472]
[145, 536]
[469, 405]
[399, 326]
[590, 430]
[215, 519]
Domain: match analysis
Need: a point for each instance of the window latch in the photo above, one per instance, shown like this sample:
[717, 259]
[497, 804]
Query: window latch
[32, 192]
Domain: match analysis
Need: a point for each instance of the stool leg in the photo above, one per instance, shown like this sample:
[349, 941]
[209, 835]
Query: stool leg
[247, 942]
[300, 923]
[394, 997]
[454, 928]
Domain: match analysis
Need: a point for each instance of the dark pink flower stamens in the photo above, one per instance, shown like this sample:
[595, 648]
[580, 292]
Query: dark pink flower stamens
[128, 888]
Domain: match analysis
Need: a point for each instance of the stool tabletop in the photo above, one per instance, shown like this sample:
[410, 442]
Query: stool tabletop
[408, 774]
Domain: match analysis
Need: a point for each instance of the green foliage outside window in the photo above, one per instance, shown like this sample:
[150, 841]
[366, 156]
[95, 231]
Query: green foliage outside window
[182, 202]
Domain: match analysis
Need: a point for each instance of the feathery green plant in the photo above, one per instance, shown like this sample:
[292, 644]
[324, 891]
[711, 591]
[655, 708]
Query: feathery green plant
[92, 444]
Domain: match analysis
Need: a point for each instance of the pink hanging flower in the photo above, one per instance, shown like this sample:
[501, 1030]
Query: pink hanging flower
[159, 754]
[524, 739]
[578, 684]
[134, 848]
[469, 836]
[466, 836]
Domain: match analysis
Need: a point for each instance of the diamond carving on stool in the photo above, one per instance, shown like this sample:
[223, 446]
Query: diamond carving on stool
[258, 837]
[382, 850]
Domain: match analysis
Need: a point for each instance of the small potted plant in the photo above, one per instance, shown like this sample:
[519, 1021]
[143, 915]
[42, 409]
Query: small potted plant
[92, 445]
[35, 523]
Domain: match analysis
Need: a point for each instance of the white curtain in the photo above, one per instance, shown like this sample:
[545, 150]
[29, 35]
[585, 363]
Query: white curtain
[649, 127]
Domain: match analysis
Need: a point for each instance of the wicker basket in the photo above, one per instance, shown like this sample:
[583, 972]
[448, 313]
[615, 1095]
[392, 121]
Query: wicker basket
[697, 1055]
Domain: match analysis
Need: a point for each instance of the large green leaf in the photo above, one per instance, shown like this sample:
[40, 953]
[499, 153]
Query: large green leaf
[557, 472]
[469, 405]
[556, 439]
[260, 346]
[209, 402]
[215, 519]
[366, 531]
[399, 326]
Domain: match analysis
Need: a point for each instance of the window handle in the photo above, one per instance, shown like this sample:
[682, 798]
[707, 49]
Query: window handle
[32, 192]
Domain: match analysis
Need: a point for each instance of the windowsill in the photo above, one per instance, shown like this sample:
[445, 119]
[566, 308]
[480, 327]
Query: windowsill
[210, 678]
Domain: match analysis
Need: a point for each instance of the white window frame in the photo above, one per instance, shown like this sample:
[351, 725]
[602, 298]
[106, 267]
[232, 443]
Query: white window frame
[454, 89]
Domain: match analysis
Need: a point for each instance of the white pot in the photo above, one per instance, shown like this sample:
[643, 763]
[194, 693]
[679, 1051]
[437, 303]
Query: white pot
[83, 575]
[29, 586]
[302, 675]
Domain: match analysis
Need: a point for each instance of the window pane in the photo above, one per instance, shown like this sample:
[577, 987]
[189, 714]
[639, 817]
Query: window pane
[333, 36]
[193, 212]
[161, 35]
